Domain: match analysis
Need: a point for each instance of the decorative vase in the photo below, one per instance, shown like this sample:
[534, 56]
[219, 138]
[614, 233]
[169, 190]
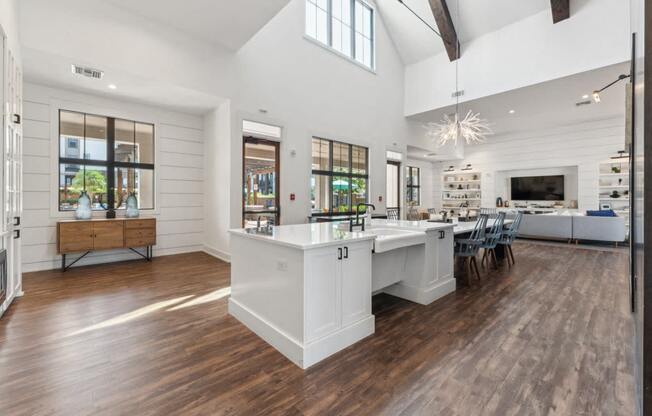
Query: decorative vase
[132, 206]
[83, 211]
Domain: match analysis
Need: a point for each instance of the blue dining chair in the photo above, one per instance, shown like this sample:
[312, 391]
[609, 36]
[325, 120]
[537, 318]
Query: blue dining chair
[491, 239]
[467, 248]
[509, 235]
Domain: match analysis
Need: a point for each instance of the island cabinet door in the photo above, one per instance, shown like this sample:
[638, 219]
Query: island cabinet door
[356, 282]
[444, 261]
[322, 292]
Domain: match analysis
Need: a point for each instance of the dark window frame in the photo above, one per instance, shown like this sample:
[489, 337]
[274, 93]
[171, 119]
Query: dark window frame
[411, 186]
[350, 175]
[110, 163]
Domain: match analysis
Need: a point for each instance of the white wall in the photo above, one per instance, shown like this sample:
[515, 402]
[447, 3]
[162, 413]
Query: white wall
[310, 91]
[179, 172]
[582, 145]
[527, 52]
[217, 170]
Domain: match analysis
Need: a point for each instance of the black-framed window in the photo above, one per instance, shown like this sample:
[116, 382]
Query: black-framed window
[107, 157]
[413, 184]
[340, 177]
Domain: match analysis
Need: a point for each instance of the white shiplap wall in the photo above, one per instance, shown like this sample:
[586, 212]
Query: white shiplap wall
[583, 145]
[179, 172]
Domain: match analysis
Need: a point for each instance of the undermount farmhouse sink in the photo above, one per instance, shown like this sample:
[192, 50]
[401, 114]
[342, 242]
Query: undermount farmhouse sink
[390, 238]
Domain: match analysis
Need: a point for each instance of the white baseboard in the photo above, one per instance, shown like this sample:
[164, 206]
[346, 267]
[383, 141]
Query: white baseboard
[424, 296]
[303, 355]
[219, 254]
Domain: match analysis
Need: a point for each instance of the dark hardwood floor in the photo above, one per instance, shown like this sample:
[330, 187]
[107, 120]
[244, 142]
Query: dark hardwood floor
[551, 335]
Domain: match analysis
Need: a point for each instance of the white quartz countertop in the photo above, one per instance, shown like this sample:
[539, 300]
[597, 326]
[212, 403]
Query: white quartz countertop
[410, 225]
[306, 236]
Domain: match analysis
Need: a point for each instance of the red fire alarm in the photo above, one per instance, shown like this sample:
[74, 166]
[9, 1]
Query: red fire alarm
[292, 197]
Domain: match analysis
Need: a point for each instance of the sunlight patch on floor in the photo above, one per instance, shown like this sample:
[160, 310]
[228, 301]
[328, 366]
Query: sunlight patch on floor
[209, 297]
[130, 316]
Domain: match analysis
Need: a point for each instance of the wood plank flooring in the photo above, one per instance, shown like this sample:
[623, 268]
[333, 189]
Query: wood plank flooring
[551, 335]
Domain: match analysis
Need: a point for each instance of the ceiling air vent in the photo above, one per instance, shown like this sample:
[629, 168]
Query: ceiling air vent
[430, 154]
[87, 72]
[581, 103]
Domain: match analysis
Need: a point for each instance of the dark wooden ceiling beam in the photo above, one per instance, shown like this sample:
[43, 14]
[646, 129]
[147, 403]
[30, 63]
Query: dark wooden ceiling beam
[446, 28]
[560, 10]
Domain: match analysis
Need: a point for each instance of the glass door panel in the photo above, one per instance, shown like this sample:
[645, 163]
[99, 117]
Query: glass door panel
[394, 187]
[260, 179]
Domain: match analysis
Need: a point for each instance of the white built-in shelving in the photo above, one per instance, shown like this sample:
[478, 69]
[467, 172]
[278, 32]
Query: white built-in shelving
[614, 186]
[461, 189]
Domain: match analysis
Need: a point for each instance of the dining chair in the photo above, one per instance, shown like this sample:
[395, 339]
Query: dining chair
[491, 212]
[509, 235]
[467, 248]
[392, 213]
[491, 239]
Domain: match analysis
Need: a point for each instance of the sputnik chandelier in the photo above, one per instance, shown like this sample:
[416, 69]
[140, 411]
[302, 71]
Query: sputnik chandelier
[472, 128]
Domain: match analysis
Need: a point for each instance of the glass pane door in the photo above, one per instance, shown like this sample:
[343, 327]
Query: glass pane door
[260, 178]
[393, 187]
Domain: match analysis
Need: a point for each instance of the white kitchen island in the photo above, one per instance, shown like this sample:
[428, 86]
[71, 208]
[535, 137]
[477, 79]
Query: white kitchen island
[306, 289]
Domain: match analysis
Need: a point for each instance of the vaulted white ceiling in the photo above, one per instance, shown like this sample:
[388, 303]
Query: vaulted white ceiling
[472, 19]
[230, 23]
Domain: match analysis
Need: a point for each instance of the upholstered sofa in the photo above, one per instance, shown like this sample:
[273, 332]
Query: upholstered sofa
[599, 228]
[574, 227]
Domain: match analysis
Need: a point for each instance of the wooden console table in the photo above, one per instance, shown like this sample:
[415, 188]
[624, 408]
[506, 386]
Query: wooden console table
[75, 236]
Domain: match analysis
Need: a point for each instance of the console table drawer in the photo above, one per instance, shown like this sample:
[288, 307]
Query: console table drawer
[141, 237]
[138, 224]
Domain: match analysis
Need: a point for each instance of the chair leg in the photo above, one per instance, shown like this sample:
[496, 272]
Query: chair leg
[484, 257]
[474, 263]
[511, 253]
[493, 257]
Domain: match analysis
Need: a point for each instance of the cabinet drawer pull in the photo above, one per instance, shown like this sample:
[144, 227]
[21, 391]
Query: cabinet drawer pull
[442, 235]
[16, 234]
[346, 252]
[339, 253]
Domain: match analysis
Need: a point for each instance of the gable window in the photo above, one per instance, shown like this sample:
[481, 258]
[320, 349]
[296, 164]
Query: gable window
[339, 177]
[347, 26]
[107, 157]
[413, 185]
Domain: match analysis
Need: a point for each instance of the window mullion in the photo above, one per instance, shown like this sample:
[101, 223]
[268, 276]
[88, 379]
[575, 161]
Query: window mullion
[353, 29]
[329, 23]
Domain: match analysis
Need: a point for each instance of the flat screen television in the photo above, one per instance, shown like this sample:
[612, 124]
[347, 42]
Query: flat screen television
[538, 188]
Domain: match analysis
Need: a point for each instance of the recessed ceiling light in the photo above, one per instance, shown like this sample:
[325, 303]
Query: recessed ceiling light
[112, 86]
[512, 111]
[585, 96]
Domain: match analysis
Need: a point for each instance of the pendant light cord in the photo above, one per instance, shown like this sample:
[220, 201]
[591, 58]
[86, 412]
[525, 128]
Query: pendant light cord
[422, 20]
[457, 61]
